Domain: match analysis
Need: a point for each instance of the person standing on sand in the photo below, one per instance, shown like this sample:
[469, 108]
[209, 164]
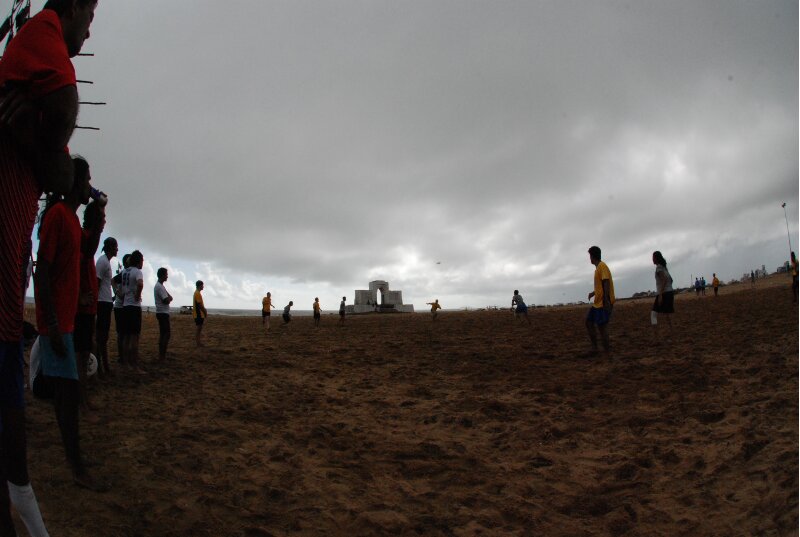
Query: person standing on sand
[703, 285]
[715, 284]
[794, 276]
[266, 306]
[132, 286]
[199, 309]
[38, 109]
[600, 312]
[162, 300]
[342, 311]
[434, 306]
[57, 289]
[317, 314]
[105, 304]
[287, 316]
[752, 278]
[93, 222]
[521, 309]
[697, 286]
[665, 296]
[119, 320]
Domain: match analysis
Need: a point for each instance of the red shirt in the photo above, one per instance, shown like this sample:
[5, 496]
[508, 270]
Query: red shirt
[60, 245]
[37, 55]
[88, 275]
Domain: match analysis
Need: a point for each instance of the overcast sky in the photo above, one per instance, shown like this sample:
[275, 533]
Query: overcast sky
[458, 149]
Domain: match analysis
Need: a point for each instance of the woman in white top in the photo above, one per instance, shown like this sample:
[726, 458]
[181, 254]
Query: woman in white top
[665, 297]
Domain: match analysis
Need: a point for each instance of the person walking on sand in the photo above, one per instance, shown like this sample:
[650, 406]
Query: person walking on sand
[752, 278]
[600, 312]
[132, 285]
[521, 309]
[287, 315]
[342, 311]
[57, 292]
[105, 304]
[317, 314]
[266, 307]
[665, 296]
[200, 313]
[794, 276]
[715, 284]
[697, 286]
[162, 300]
[38, 109]
[434, 306]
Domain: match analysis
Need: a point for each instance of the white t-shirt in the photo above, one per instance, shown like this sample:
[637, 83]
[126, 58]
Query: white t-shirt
[104, 274]
[160, 293]
[130, 278]
[667, 279]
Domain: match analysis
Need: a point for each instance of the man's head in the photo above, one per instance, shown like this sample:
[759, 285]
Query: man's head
[80, 186]
[110, 247]
[516, 291]
[316, 299]
[344, 298]
[162, 274]
[199, 285]
[269, 294]
[126, 260]
[137, 259]
[594, 255]
[76, 17]
[291, 303]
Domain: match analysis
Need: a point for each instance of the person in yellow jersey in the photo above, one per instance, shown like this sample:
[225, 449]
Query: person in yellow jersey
[199, 310]
[316, 306]
[434, 306]
[794, 276]
[266, 307]
[600, 313]
[715, 284]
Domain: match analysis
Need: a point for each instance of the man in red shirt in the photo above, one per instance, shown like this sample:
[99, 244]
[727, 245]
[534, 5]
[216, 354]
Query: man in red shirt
[57, 287]
[38, 109]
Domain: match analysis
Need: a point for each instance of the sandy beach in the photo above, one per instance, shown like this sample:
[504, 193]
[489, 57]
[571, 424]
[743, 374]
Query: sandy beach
[472, 425]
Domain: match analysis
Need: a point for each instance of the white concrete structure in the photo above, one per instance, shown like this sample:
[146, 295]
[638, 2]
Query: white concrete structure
[379, 299]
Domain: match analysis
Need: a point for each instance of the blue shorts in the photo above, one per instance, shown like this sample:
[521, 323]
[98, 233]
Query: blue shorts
[598, 316]
[58, 366]
[12, 386]
[522, 308]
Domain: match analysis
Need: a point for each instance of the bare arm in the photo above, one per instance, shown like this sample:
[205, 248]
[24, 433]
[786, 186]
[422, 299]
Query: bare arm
[606, 295]
[47, 304]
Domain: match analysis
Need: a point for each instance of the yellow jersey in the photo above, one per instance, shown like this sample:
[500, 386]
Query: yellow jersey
[601, 273]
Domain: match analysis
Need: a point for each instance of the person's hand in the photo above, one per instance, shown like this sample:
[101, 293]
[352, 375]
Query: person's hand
[57, 341]
[591, 295]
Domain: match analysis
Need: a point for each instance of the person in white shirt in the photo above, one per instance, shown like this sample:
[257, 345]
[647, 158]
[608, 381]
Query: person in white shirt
[119, 319]
[162, 300]
[105, 303]
[132, 285]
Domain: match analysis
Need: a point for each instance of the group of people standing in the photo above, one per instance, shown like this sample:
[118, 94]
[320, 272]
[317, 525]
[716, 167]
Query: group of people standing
[316, 307]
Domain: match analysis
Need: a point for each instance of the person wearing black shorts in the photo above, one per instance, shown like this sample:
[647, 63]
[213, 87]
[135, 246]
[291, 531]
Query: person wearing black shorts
[665, 296]
[287, 316]
[162, 300]
[342, 310]
[105, 304]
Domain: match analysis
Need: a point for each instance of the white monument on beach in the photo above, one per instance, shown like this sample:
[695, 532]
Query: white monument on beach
[379, 299]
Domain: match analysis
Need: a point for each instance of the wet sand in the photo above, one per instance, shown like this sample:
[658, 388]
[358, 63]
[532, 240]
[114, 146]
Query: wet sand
[472, 425]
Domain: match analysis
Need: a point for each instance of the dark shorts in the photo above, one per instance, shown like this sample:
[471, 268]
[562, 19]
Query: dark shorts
[341, 313]
[667, 305]
[316, 315]
[598, 316]
[133, 320]
[264, 314]
[199, 321]
[83, 335]
[287, 317]
[104, 316]
[163, 323]
[12, 386]
[521, 308]
[119, 321]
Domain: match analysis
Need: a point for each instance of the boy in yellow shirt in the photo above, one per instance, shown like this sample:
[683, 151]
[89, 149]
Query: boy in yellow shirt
[266, 306]
[600, 313]
[199, 310]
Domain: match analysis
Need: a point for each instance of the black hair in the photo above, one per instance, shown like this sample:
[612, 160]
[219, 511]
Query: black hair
[136, 257]
[62, 6]
[659, 259]
[161, 272]
[516, 292]
[594, 251]
[108, 241]
[198, 283]
[126, 260]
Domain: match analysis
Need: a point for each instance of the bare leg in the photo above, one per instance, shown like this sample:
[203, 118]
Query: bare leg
[592, 334]
[604, 337]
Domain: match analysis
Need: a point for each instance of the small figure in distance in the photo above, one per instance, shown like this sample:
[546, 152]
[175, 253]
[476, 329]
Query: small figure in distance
[133, 285]
[794, 276]
[287, 316]
[434, 306]
[715, 284]
[342, 311]
[199, 309]
[119, 318]
[752, 278]
[697, 286]
[162, 299]
[266, 307]
[665, 296]
[522, 309]
[703, 285]
[600, 312]
[317, 315]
